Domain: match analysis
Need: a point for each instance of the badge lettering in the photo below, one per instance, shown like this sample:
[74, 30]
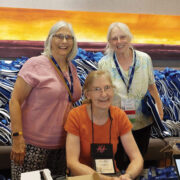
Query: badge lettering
[101, 149]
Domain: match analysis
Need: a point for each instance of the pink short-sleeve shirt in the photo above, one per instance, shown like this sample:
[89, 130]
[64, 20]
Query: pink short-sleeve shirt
[45, 107]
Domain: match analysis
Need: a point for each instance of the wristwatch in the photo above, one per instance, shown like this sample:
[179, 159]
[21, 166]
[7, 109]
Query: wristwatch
[17, 133]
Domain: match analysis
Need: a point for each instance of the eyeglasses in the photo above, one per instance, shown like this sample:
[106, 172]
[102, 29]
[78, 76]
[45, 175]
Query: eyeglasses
[116, 38]
[99, 90]
[62, 36]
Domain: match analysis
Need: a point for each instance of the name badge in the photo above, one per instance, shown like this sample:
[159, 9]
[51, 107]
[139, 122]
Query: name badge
[102, 158]
[128, 105]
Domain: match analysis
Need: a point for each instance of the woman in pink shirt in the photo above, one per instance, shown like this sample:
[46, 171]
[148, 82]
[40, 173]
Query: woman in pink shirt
[43, 94]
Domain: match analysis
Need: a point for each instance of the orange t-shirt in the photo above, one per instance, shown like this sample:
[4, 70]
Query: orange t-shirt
[79, 124]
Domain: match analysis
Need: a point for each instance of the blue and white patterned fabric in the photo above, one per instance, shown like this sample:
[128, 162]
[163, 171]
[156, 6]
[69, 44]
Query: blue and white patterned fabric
[149, 108]
[8, 75]
[153, 173]
[85, 62]
[5, 131]
[168, 85]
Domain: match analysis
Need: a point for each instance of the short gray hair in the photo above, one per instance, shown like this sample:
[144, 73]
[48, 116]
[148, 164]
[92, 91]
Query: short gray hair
[53, 30]
[121, 26]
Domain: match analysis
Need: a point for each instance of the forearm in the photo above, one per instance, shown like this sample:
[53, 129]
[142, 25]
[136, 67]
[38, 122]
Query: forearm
[18, 145]
[78, 169]
[15, 115]
[135, 167]
[154, 92]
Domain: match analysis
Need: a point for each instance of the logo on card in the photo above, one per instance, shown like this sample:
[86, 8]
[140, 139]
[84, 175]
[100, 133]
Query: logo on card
[101, 149]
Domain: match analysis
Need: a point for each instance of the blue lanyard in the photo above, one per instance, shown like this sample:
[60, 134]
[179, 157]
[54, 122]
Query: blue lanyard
[70, 74]
[120, 73]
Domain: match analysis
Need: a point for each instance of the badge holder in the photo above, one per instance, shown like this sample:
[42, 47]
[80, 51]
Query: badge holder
[128, 105]
[102, 154]
[102, 158]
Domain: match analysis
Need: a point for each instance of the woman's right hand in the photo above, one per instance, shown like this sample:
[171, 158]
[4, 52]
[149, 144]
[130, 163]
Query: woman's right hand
[18, 150]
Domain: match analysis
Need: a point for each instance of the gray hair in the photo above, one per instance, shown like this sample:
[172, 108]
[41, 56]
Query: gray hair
[53, 30]
[121, 26]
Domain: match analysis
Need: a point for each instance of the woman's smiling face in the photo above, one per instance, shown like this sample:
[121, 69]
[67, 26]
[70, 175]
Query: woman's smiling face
[101, 92]
[119, 41]
[62, 42]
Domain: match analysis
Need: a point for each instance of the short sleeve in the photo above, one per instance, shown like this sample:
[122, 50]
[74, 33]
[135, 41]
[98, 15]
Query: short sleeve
[101, 63]
[29, 72]
[72, 125]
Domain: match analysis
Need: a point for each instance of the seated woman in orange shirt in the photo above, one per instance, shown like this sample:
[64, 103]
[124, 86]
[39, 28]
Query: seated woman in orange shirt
[93, 130]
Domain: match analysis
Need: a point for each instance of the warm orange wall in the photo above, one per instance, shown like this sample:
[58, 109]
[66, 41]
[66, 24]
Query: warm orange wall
[33, 24]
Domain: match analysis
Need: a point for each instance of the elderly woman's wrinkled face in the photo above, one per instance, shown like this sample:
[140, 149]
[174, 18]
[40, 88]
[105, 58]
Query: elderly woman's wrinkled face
[62, 42]
[119, 41]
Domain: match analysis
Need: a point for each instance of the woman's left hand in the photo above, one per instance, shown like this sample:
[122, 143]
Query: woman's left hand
[18, 150]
